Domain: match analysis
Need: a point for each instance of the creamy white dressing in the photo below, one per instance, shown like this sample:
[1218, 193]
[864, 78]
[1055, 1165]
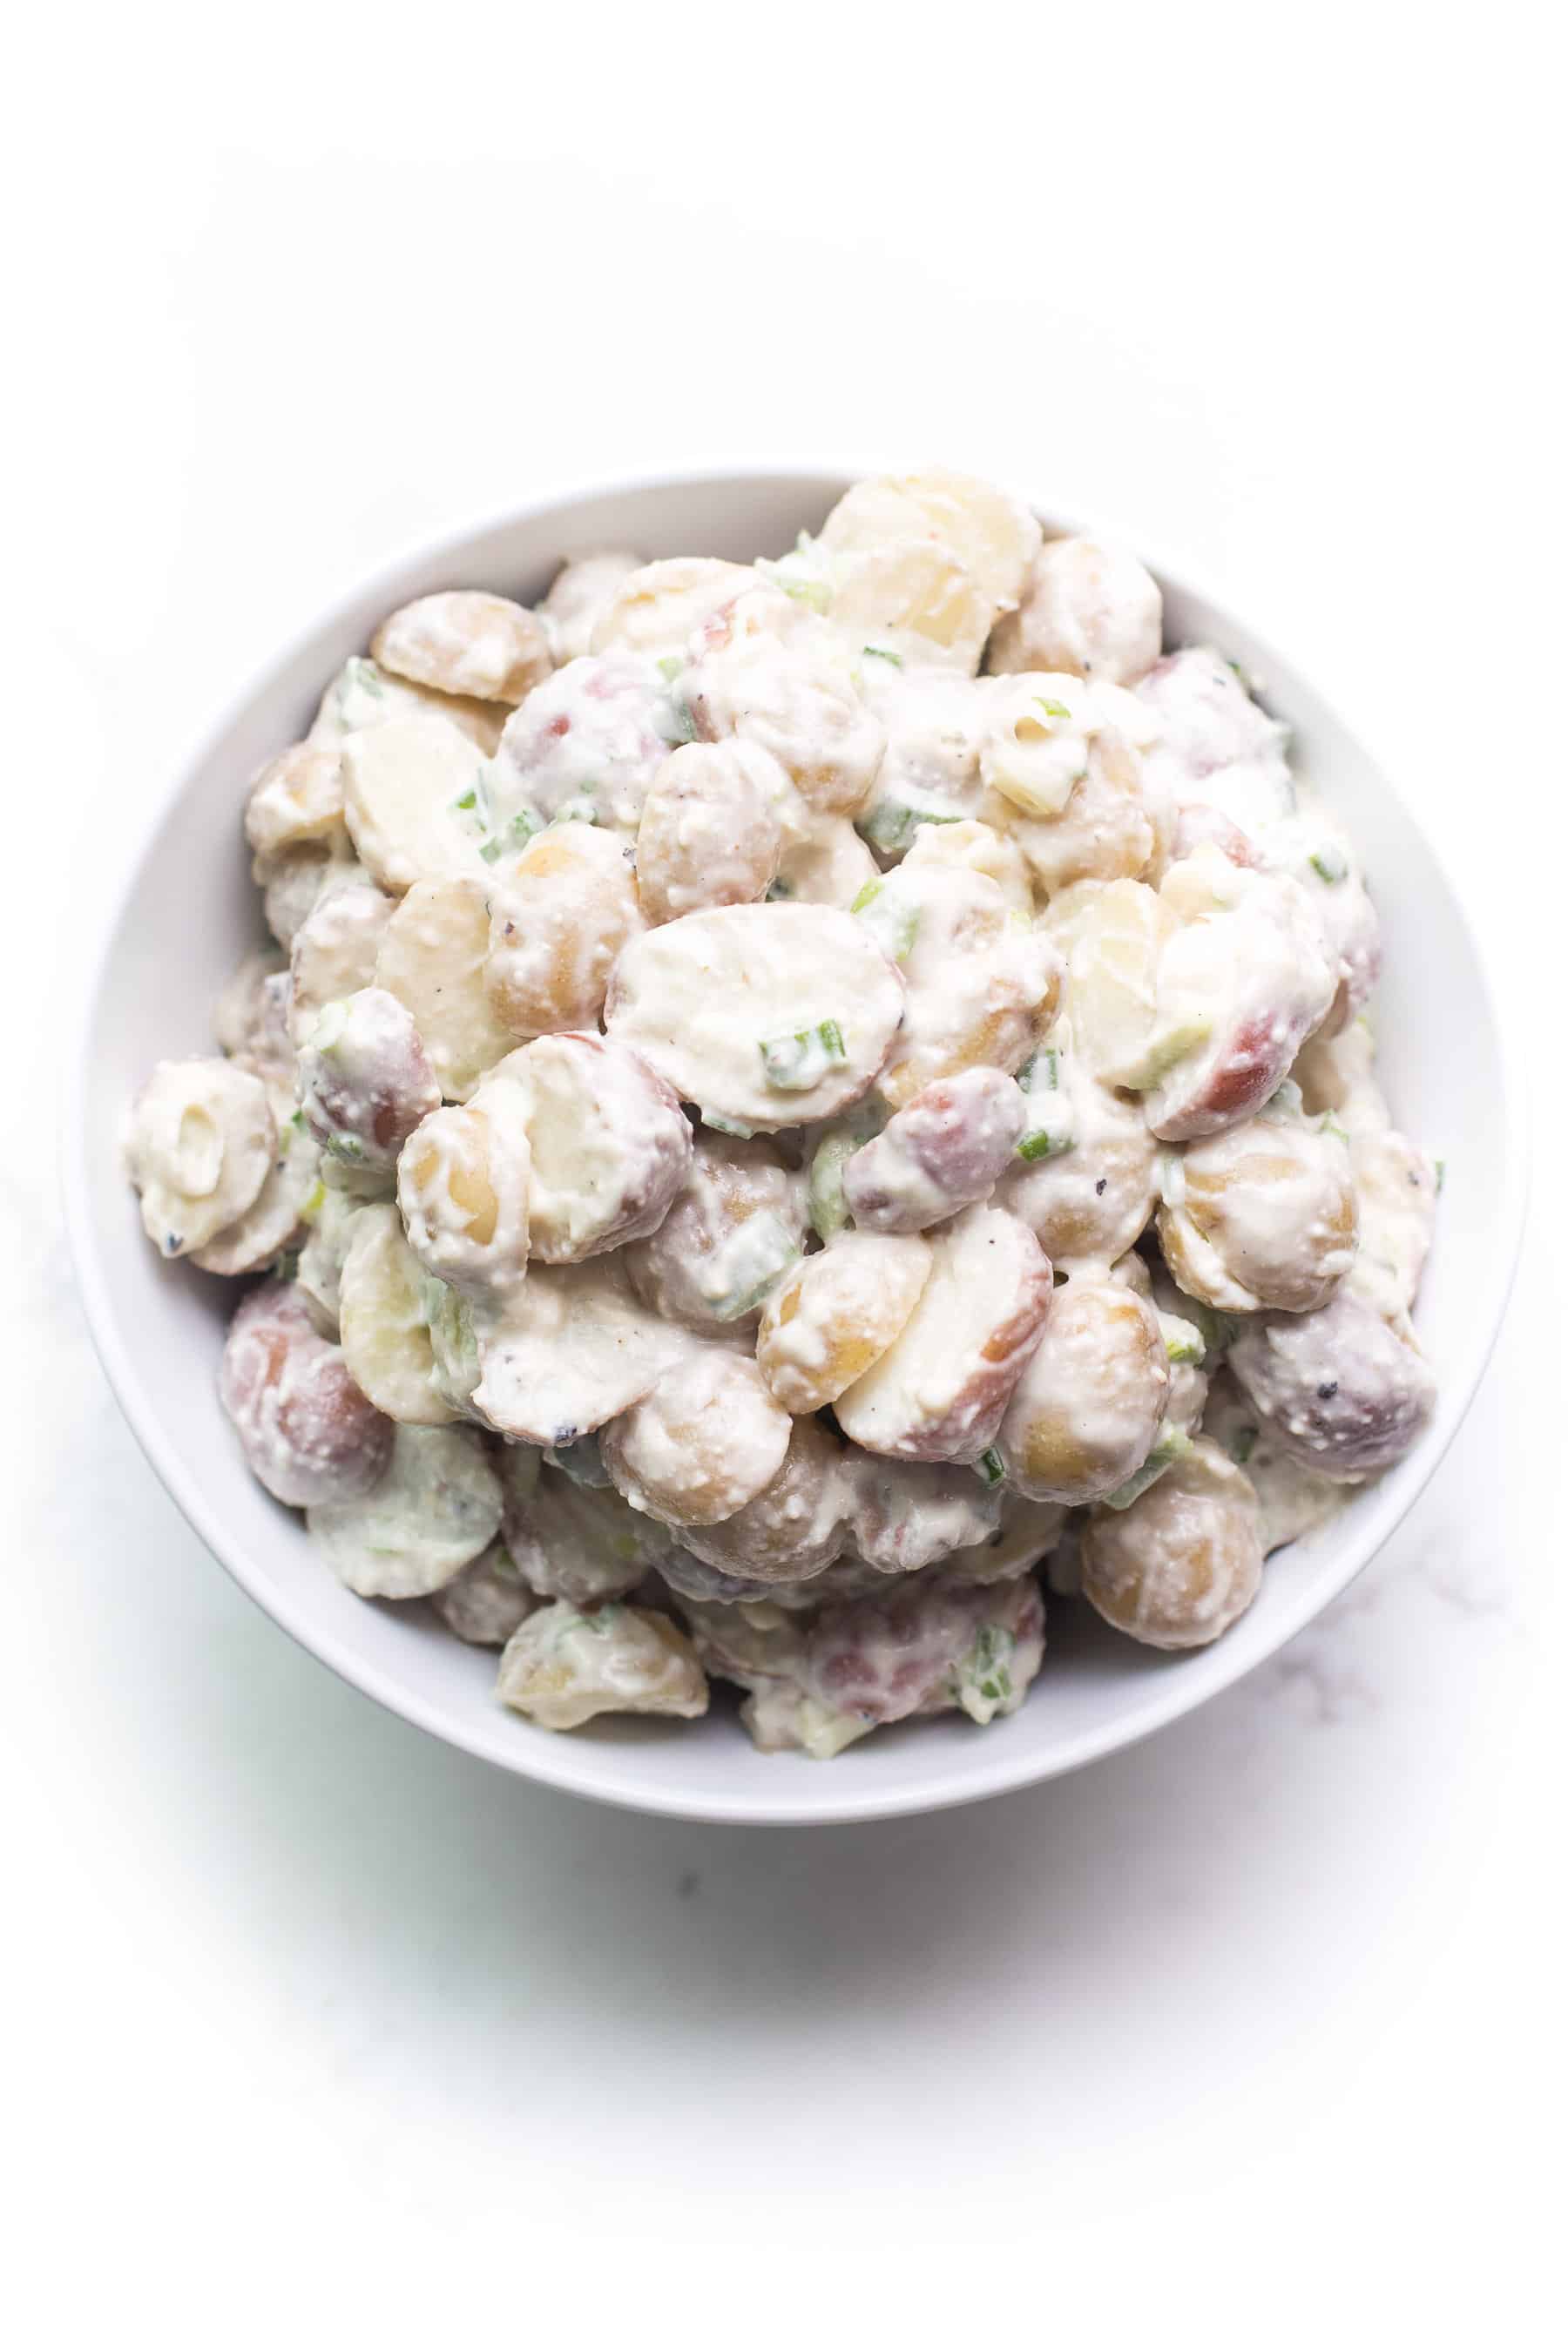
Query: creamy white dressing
[983, 972]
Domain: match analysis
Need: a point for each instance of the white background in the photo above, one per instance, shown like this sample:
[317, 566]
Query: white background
[313, 2023]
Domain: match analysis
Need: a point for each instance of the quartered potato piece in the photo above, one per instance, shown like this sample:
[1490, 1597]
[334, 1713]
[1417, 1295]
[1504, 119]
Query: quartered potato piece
[1085, 1414]
[980, 849]
[705, 1443]
[436, 1507]
[562, 1668]
[769, 671]
[567, 1351]
[581, 1543]
[199, 1148]
[930, 774]
[656, 609]
[710, 833]
[251, 1018]
[908, 1515]
[364, 1083]
[610, 1146]
[329, 1231]
[1214, 747]
[560, 916]
[1090, 608]
[463, 1181]
[1084, 1176]
[578, 594]
[1180, 1565]
[486, 1601]
[929, 1643]
[837, 1314]
[586, 745]
[1243, 981]
[1263, 1214]
[795, 1528]
[386, 1340]
[944, 1151]
[1292, 1500]
[334, 951]
[732, 1233]
[766, 1016]
[1341, 1391]
[980, 984]
[940, 1392]
[432, 957]
[465, 640]
[913, 598]
[414, 797]
[297, 878]
[295, 801]
[289, 1194]
[991, 532]
[822, 862]
[308, 1433]
[363, 696]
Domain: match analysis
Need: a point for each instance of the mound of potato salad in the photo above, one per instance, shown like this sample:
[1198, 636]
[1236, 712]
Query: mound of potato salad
[795, 1107]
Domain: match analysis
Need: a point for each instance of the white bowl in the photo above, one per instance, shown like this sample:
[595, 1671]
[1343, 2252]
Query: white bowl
[186, 911]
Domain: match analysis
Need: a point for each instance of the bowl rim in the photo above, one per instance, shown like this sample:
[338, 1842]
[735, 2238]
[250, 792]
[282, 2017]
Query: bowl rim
[560, 1763]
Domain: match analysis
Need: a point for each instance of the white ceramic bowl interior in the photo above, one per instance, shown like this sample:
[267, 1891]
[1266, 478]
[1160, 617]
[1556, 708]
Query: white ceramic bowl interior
[187, 912]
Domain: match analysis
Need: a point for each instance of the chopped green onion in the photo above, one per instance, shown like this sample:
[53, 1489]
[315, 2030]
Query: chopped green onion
[284, 1266]
[892, 921]
[815, 592]
[756, 1257]
[1042, 1073]
[1040, 1143]
[346, 1147]
[723, 1126]
[489, 851]
[311, 1205]
[884, 653]
[892, 824]
[1241, 1445]
[470, 800]
[1329, 863]
[1441, 1168]
[682, 728]
[799, 1061]
[1165, 1052]
[1184, 1341]
[992, 1467]
[1169, 1447]
[825, 1207]
[1331, 1126]
[297, 1119]
[1052, 710]
[671, 665]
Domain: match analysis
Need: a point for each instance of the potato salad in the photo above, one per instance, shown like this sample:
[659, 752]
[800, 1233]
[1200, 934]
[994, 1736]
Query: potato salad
[795, 1113]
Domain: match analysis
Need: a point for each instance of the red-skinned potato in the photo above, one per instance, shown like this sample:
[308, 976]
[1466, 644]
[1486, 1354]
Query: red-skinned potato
[943, 1151]
[940, 1390]
[1084, 1414]
[307, 1432]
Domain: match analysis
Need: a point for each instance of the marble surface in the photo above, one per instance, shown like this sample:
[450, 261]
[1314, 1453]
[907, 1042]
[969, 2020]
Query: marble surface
[311, 2015]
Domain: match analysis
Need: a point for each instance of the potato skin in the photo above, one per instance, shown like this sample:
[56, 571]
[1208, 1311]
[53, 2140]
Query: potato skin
[941, 1390]
[1342, 1390]
[1178, 1566]
[1084, 1414]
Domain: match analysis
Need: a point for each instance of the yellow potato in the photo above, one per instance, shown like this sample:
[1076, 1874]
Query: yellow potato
[837, 1314]
[560, 916]
[1084, 1414]
[1180, 1564]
